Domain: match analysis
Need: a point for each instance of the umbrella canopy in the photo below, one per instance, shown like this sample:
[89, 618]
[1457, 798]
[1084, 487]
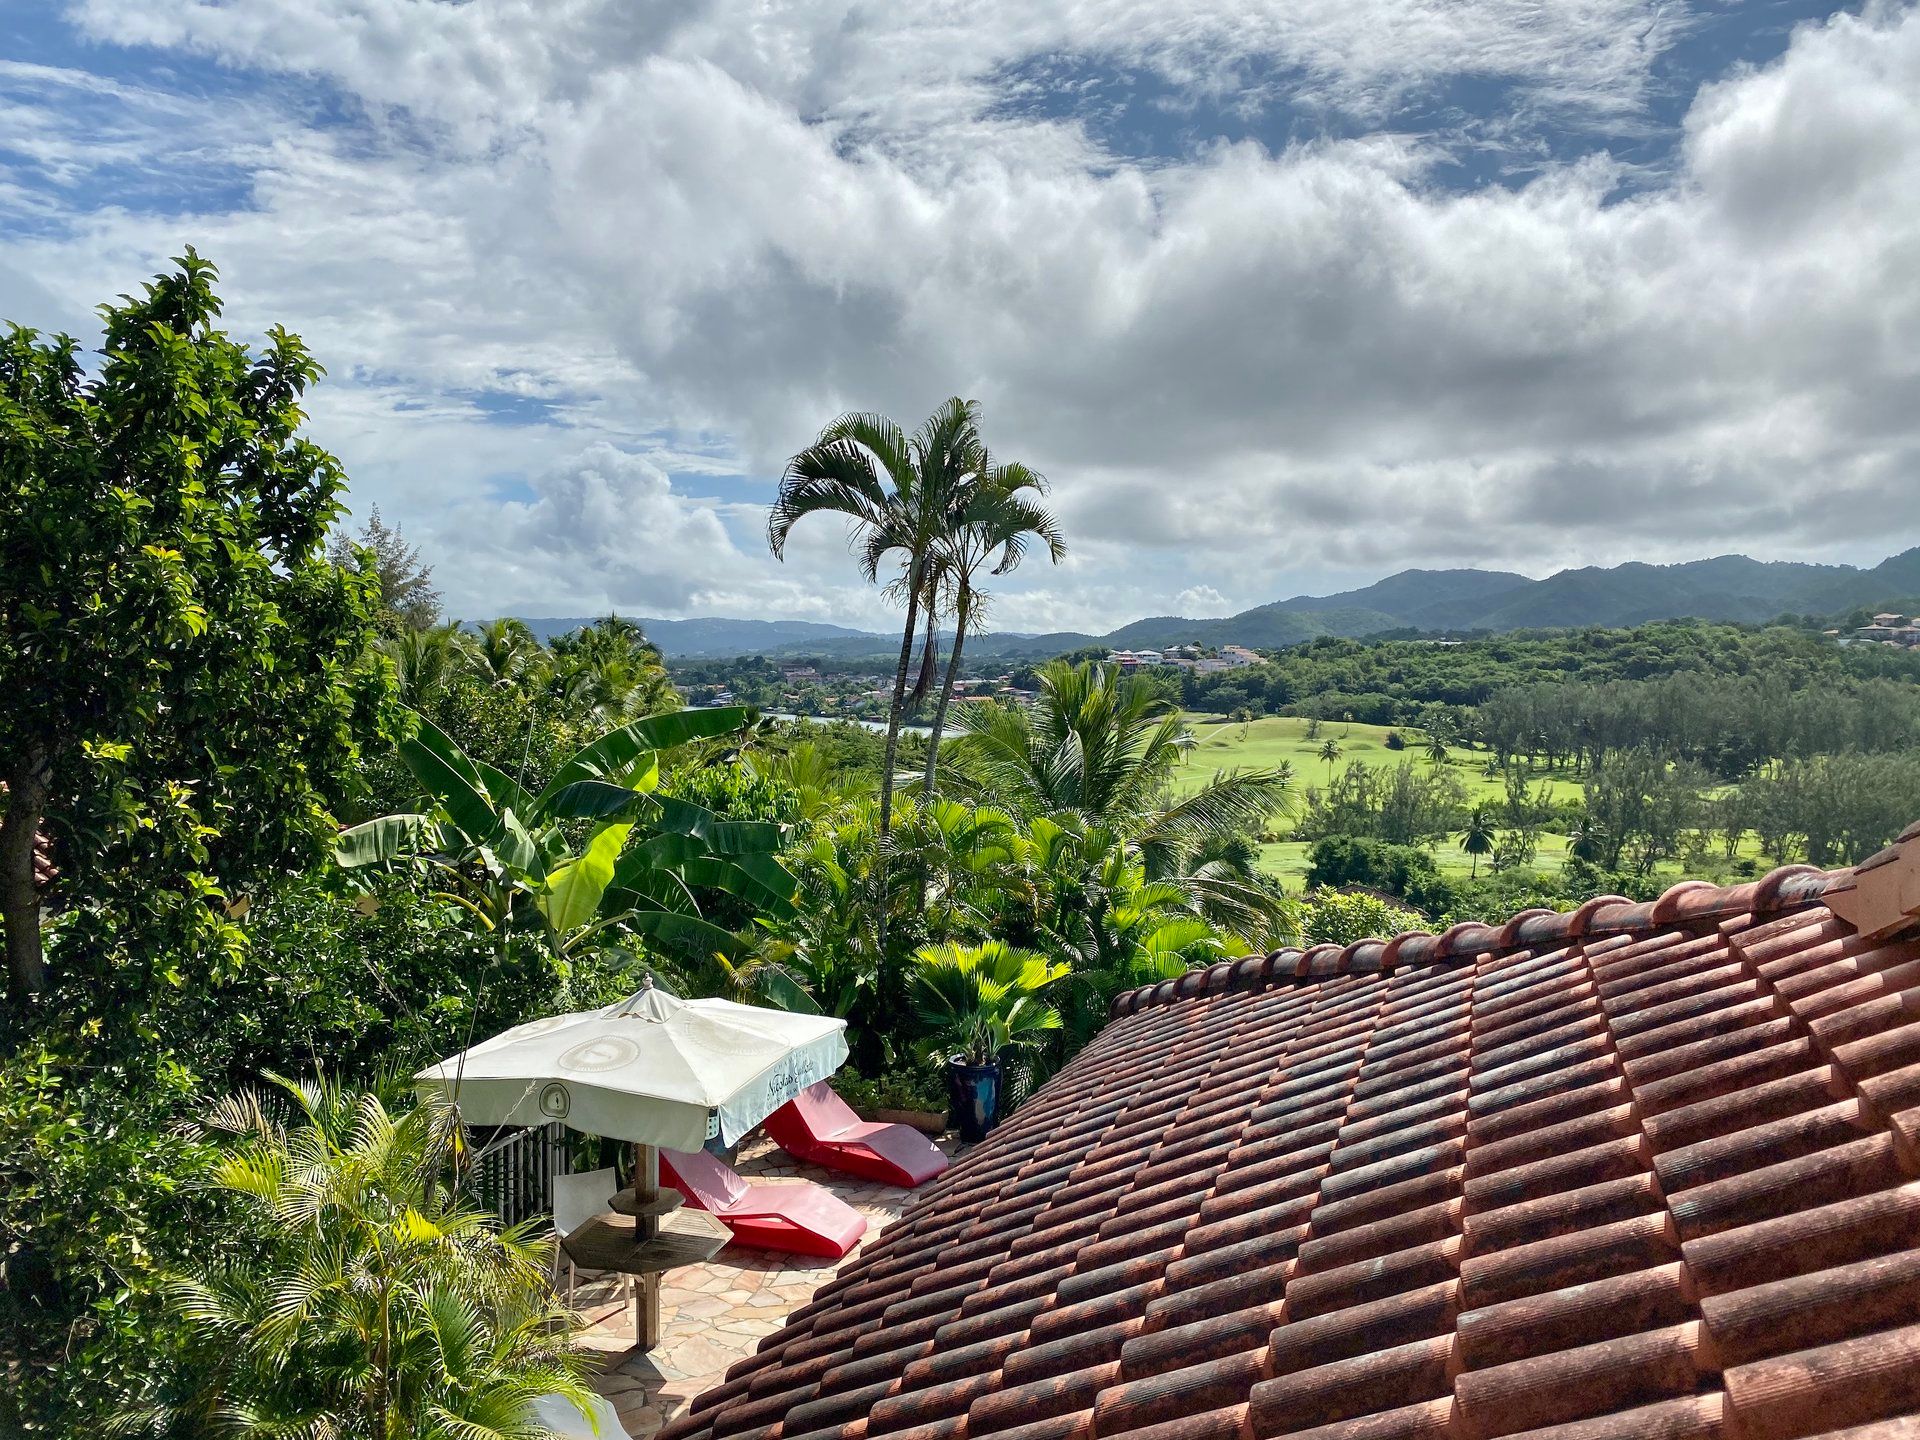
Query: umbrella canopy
[653, 1069]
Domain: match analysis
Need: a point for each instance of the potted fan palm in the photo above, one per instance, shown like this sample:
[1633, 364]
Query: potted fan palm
[980, 1001]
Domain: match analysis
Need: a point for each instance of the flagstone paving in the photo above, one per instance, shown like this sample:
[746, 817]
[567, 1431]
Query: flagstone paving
[714, 1314]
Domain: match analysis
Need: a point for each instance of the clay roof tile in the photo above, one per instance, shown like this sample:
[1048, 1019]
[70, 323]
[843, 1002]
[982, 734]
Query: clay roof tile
[1640, 1171]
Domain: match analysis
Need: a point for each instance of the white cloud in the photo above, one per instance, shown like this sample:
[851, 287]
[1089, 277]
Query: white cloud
[1202, 601]
[702, 231]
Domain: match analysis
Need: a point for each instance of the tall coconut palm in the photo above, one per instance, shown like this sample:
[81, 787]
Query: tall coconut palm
[1001, 515]
[1104, 746]
[898, 491]
[1330, 752]
[1478, 838]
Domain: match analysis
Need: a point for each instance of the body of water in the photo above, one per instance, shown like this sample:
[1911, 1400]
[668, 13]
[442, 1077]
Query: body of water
[879, 727]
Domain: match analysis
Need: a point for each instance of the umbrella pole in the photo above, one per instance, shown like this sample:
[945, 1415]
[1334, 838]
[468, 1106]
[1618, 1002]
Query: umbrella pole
[646, 1290]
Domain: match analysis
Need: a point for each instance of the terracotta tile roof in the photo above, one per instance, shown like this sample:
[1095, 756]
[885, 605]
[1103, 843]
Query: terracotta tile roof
[1641, 1170]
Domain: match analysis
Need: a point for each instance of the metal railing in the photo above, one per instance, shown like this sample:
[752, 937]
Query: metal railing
[514, 1175]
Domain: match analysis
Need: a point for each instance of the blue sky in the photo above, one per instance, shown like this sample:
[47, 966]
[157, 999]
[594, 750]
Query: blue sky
[1282, 296]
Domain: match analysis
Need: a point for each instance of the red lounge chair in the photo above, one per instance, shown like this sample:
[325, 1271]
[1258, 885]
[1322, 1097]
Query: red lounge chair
[817, 1126]
[801, 1219]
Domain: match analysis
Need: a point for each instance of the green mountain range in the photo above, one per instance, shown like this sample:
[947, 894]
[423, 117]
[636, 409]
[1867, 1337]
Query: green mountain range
[1728, 587]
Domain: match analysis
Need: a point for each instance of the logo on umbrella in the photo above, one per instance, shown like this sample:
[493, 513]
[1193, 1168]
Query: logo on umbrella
[555, 1101]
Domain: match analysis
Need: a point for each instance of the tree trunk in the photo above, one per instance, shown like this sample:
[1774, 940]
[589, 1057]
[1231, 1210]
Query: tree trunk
[27, 789]
[886, 779]
[960, 609]
[896, 709]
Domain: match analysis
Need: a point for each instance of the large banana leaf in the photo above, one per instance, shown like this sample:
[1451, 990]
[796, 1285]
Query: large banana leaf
[617, 749]
[672, 925]
[603, 799]
[722, 837]
[453, 781]
[514, 844]
[388, 838]
[574, 890]
[785, 993]
[504, 789]
[714, 873]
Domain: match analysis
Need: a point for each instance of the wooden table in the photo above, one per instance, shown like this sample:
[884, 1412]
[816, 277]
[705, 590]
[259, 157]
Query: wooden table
[645, 1234]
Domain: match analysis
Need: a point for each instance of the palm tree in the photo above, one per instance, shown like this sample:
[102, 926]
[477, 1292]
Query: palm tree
[1477, 838]
[374, 1301]
[1330, 752]
[1105, 746]
[978, 1000]
[899, 493]
[610, 672]
[424, 661]
[501, 651]
[1436, 750]
[999, 514]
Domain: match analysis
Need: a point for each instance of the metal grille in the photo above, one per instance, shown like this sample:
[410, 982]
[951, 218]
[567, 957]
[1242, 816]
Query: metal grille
[514, 1178]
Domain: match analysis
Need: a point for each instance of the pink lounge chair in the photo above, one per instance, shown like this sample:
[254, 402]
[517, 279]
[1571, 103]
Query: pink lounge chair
[818, 1126]
[801, 1219]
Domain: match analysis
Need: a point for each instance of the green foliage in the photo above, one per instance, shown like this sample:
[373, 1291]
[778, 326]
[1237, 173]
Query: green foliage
[374, 1301]
[1407, 682]
[1404, 805]
[1833, 809]
[98, 1194]
[597, 852]
[1105, 746]
[185, 682]
[1339, 918]
[979, 1000]
[1403, 870]
[915, 1087]
[403, 582]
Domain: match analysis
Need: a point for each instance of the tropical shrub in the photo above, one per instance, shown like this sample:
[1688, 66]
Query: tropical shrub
[375, 1301]
[98, 1195]
[509, 858]
[1341, 917]
[977, 1001]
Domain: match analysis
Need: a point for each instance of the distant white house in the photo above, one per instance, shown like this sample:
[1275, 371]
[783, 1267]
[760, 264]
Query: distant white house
[1237, 655]
[1133, 659]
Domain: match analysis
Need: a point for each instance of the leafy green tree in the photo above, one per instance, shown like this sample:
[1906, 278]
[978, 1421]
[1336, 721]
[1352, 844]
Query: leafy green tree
[980, 1000]
[1642, 803]
[609, 673]
[1340, 918]
[1478, 838]
[185, 682]
[503, 652]
[509, 859]
[376, 1303]
[425, 661]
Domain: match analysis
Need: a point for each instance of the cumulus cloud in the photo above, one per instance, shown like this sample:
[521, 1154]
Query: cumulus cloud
[1246, 370]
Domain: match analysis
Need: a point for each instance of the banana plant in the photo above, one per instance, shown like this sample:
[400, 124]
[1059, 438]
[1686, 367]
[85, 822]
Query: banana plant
[512, 860]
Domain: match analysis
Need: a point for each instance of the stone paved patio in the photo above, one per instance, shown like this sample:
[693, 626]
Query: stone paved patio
[714, 1314]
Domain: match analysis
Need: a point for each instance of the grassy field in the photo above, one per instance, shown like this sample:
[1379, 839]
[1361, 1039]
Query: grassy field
[1225, 745]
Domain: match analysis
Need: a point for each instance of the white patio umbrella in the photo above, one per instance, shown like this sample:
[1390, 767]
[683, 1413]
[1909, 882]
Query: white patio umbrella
[656, 1071]
[652, 1069]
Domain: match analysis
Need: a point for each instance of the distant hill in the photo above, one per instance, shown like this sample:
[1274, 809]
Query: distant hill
[1727, 587]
